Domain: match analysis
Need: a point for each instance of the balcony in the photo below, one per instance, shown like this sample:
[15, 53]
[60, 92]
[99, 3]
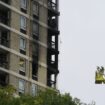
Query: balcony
[52, 62]
[35, 77]
[3, 79]
[4, 17]
[35, 67]
[53, 8]
[4, 38]
[52, 5]
[52, 66]
[51, 79]
[53, 31]
[52, 46]
[52, 23]
[4, 60]
[51, 83]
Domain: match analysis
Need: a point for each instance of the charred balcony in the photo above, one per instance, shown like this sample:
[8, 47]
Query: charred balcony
[51, 79]
[52, 51]
[53, 62]
[51, 83]
[35, 49]
[53, 7]
[53, 48]
[35, 68]
[53, 44]
[53, 31]
[53, 23]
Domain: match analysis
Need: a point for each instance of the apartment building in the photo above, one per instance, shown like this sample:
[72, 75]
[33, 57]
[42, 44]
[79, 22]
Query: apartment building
[29, 44]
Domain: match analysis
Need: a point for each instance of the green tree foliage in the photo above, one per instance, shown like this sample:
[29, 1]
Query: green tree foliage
[47, 97]
[50, 97]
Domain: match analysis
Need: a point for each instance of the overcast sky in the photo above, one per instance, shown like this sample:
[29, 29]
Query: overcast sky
[82, 48]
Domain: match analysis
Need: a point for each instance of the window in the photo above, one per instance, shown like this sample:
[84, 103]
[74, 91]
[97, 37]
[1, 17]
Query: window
[34, 89]
[21, 86]
[35, 28]
[35, 49]
[35, 8]
[22, 64]
[22, 44]
[24, 4]
[35, 67]
[34, 71]
[23, 22]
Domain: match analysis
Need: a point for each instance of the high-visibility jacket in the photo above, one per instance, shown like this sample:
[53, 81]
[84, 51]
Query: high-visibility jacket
[99, 77]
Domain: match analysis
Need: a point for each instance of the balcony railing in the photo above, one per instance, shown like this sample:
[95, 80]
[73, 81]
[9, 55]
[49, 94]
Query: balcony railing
[53, 65]
[34, 77]
[35, 69]
[3, 61]
[3, 78]
[4, 41]
[52, 23]
[3, 64]
[52, 5]
[52, 45]
[4, 17]
[4, 20]
[51, 83]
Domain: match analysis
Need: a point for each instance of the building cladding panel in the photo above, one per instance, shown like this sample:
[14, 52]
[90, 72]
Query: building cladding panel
[29, 44]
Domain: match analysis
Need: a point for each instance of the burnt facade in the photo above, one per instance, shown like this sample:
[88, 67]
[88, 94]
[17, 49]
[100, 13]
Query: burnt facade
[53, 32]
[29, 36]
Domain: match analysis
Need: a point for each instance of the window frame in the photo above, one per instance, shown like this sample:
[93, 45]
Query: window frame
[21, 88]
[23, 5]
[34, 89]
[35, 8]
[23, 69]
[22, 47]
[35, 29]
[23, 23]
[35, 48]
